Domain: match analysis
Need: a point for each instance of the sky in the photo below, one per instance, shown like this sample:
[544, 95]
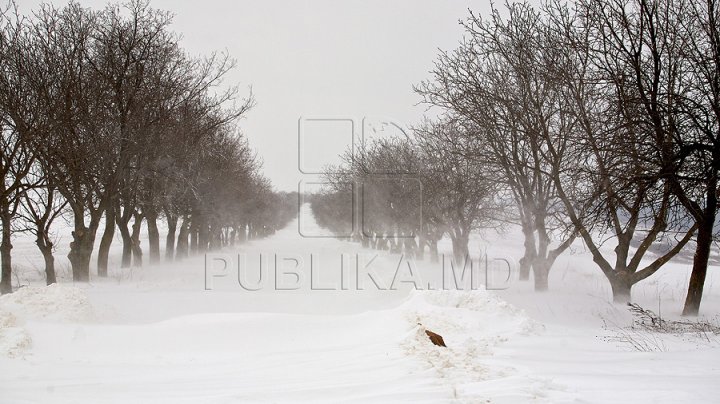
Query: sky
[321, 71]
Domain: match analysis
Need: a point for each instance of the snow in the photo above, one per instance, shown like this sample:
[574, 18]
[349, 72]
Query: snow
[472, 324]
[156, 335]
[56, 302]
[14, 340]
[47, 303]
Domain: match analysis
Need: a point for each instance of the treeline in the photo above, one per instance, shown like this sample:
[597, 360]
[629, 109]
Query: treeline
[410, 192]
[106, 119]
[598, 120]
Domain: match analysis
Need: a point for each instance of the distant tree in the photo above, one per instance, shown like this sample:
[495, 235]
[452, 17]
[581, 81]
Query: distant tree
[386, 177]
[409, 192]
[464, 196]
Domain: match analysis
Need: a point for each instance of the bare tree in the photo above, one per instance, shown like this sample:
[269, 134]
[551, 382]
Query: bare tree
[65, 93]
[41, 205]
[410, 191]
[15, 165]
[492, 80]
[122, 124]
[697, 183]
[18, 123]
[465, 197]
[662, 59]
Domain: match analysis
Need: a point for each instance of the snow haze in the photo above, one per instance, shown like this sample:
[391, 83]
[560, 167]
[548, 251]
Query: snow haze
[397, 207]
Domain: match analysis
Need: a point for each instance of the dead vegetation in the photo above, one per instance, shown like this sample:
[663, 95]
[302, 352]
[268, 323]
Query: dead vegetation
[651, 333]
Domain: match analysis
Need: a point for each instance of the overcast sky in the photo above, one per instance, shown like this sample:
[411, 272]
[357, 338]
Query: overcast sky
[318, 59]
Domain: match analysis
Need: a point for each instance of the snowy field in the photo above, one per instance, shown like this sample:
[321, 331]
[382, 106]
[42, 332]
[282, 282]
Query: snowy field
[158, 335]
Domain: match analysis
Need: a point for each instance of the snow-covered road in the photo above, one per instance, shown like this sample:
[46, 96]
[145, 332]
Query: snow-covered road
[160, 336]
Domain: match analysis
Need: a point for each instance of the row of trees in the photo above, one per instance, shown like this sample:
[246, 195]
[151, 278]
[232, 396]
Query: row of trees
[412, 191]
[599, 121]
[104, 116]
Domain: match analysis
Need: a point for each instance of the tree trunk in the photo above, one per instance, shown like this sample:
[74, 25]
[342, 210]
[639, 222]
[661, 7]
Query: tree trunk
[621, 288]
[700, 263]
[5, 256]
[384, 243]
[80, 252]
[410, 247]
[242, 233]
[83, 241]
[421, 247]
[530, 253]
[525, 266]
[194, 226]
[460, 248]
[394, 244]
[365, 241]
[541, 272]
[153, 238]
[214, 237]
[200, 226]
[126, 260]
[233, 235]
[135, 237]
[203, 238]
[170, 239]
[46, 247]
[105, 242]
[182, 240]
[434, 255]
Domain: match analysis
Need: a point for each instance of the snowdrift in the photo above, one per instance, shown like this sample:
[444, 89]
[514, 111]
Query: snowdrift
[54, 303]
[471, 324]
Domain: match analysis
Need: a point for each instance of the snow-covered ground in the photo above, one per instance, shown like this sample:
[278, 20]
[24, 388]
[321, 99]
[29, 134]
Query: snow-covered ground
[169, 333]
